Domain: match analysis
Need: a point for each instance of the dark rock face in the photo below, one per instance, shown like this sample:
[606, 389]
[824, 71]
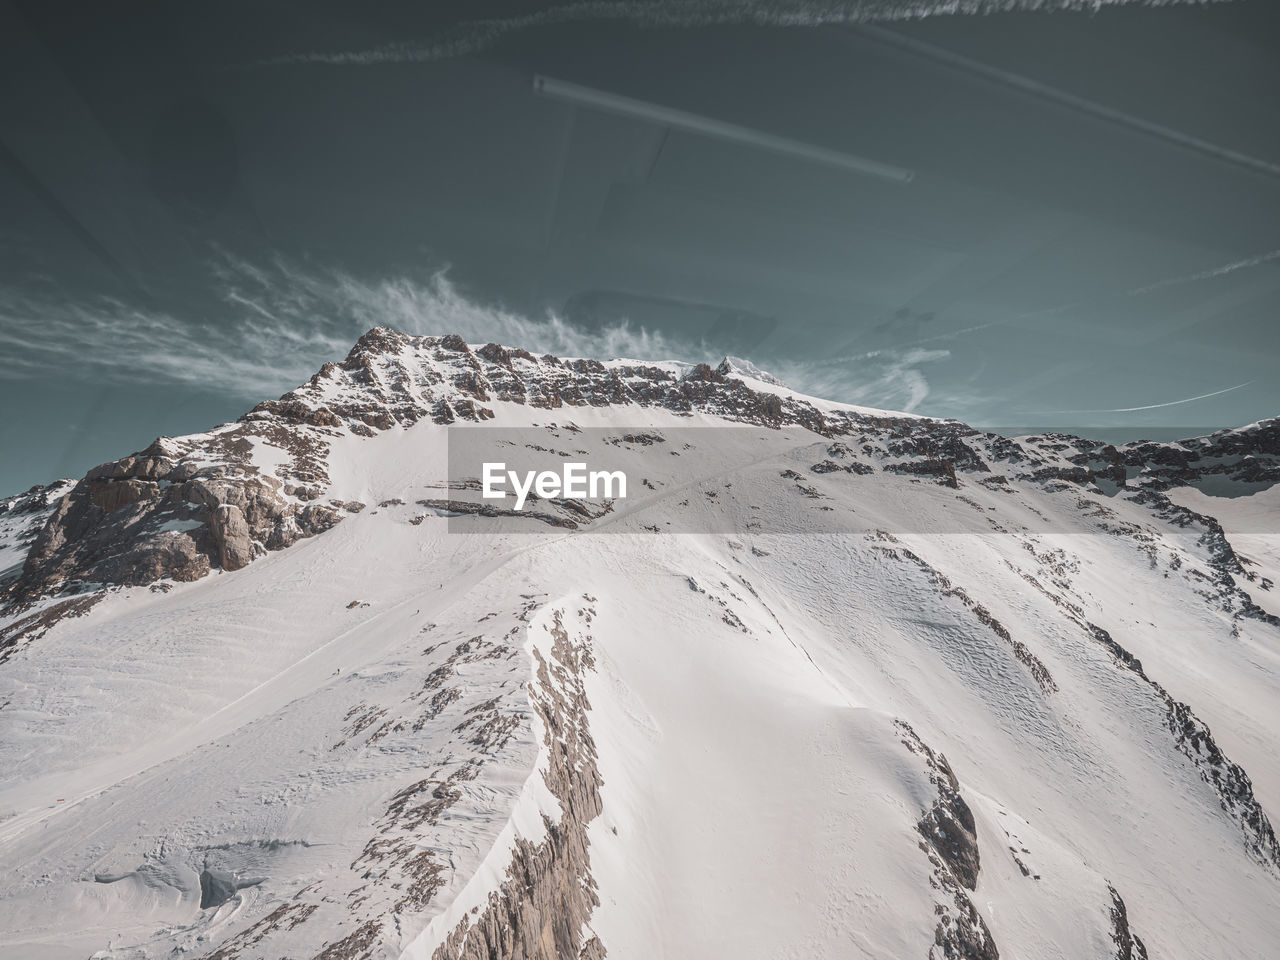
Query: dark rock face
[489, 510]
[216, 888]
[112, 495]
[541, 910]
[950, 828]
[176, 511]
[1129, 945]
[87, 542]
[939, 581]
[948, 825]
[945, 470]
[1228, 569]
[950, 841]
[28, 626]
[1246, 456]
[845, 459]
[22, 517]
[113, 531]
[32, 501]
[231, 536]
[398, 380]
[1194, 740]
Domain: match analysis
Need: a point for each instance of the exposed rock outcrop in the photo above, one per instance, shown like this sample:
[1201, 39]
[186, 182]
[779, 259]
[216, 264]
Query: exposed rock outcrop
[1194, 740]
[951, 843]
[231, 536]
[1039, 672]
[22, 517]
[1129, 945]
[133, 530]
[177, 510]
[541, 910]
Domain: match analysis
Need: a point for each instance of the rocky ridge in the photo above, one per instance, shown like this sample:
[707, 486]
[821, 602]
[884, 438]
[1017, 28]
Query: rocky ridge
[186, 506]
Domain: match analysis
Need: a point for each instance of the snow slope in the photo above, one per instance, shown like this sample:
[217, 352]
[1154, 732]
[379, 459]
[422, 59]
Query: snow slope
[756, 710]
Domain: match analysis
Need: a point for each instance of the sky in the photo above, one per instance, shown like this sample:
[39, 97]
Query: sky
[1028, 216]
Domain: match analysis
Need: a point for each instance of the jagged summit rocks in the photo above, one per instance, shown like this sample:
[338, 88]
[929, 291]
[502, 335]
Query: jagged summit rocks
[185, 506]
[748, 369]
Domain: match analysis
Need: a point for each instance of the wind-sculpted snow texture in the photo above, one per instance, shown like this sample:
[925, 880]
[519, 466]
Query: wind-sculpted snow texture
[837, 682]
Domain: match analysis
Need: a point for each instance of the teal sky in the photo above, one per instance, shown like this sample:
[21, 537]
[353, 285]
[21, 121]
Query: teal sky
[201, 206]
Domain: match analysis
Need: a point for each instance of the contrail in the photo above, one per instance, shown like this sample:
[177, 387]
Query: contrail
[473, 36]
[1149, 406]
[1063, 98]
[1209, 274]
[673, 119]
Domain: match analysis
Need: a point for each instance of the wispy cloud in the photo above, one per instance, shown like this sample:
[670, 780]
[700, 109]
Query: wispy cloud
[474, 36]
[886, 379]
[272, 326]
[275, 326]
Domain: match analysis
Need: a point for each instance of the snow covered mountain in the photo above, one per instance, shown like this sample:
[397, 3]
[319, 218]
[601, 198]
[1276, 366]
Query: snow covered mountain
[828, 682]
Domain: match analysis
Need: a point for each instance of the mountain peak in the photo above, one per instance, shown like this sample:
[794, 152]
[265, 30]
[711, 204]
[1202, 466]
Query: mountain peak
[424, 733]
[745, 368]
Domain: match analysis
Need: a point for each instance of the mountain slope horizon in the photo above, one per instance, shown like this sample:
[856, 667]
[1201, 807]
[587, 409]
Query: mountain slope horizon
[826, 681]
